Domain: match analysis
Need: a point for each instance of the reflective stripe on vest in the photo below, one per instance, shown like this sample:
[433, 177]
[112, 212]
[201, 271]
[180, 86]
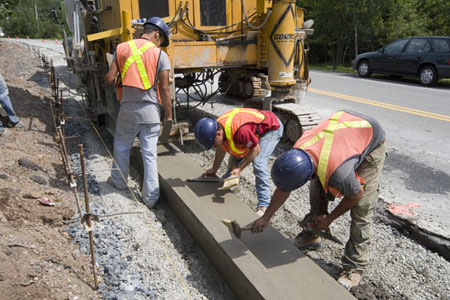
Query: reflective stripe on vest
[136, 58]
[328, 134]
[228, 117]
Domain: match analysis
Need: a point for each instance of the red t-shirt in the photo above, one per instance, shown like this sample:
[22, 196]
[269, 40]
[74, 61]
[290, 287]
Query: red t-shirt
[246, 134]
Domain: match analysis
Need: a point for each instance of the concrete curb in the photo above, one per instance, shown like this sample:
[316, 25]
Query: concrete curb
[257, 266]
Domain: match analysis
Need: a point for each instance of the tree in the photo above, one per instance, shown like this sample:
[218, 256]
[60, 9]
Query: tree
[6, 7]
[437, 13]
[22, 21]
[345, 27]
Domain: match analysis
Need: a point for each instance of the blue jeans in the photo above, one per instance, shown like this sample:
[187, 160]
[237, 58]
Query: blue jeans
[6, 102]
[267, 142]
[124, 136]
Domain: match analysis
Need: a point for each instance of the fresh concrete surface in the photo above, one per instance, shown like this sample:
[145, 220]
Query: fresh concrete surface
[257, 266]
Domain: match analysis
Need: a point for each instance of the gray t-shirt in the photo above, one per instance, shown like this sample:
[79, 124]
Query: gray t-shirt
[343, 179]
[141, 106]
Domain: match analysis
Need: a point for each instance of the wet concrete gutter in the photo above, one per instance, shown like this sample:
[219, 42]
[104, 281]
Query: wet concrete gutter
[258, 266]
[431, 240]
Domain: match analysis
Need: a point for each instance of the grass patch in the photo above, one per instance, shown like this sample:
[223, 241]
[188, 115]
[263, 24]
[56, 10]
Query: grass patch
[326, 67]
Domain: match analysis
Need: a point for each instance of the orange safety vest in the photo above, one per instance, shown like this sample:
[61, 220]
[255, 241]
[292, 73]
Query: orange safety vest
[333, 141]
[137, 61]
[232, 121]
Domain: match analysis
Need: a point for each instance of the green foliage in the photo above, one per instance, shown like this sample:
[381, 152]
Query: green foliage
[18, 18]
[6, 7]
[343, 28]
[437, 12]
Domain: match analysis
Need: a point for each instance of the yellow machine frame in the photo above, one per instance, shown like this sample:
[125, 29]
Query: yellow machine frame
[257, 50]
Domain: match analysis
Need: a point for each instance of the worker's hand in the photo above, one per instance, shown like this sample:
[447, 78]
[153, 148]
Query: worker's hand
[322, 222]
[210, 172]
[236, 172]
[260, 224]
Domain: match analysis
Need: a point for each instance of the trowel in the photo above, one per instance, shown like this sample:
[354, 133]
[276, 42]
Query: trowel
[228, 183]
[205, 178]
[165, 132]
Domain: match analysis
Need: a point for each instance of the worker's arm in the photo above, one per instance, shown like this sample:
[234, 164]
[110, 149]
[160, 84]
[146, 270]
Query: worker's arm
[248, 159]
[110, 77]
[324, 221]
[164, 92]
[278, 199]
[218, 158]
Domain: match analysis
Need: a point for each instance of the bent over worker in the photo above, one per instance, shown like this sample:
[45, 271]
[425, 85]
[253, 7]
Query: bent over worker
[245, 133]
[343, 157]
[144, 83]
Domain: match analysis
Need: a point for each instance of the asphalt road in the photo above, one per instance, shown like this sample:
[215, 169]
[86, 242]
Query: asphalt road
[416, 176]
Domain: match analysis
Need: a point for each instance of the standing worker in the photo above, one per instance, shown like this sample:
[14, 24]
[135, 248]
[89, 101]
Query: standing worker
[12, 120]
[343, 156]
[141, 66]
[244, 133]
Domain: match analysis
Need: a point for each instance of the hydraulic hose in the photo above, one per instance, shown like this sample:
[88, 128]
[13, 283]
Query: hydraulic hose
[250, 24]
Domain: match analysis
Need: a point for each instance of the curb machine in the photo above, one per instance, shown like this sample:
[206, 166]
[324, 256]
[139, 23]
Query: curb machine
[252, 50]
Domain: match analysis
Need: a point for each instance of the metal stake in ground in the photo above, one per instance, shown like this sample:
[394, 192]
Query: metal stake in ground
[86, 200]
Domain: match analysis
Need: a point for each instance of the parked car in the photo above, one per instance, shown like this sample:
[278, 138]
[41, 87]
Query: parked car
[428, 58]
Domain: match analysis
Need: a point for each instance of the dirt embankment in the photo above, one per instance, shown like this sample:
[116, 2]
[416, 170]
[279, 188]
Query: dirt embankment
[37, 258]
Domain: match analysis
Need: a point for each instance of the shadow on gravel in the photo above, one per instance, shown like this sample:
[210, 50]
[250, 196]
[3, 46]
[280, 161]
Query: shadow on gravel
[191, 252]
[40, 78]
[375, 291]
[22, 99]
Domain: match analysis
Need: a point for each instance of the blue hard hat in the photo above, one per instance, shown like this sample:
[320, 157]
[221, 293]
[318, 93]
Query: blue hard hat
[158, 22]
[292, 169]
[205, 132]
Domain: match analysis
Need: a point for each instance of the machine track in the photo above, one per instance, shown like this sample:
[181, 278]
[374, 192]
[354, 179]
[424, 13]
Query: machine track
[296, 119]
[247, 86]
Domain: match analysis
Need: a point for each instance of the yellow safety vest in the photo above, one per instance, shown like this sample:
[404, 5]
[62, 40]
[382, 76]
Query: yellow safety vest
[232, 121]
[333, 141]
[138, 62]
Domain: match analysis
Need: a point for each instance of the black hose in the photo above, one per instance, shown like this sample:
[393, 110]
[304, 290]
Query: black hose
[250, 24]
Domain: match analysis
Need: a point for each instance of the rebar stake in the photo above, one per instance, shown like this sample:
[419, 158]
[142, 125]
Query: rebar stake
[88, 213]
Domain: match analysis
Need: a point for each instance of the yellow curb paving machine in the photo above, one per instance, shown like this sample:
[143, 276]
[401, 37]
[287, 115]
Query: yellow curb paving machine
[252, 50]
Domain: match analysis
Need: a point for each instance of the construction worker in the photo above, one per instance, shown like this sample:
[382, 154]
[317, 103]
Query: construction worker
[247, 134]
[12, 120]
[143, 71]
[343, 157]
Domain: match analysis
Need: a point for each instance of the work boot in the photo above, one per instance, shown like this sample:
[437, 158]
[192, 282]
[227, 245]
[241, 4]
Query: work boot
[15, 125]
[350, 278]
[150, 205]
[307, 240]
[111, 183]
[4, 132]
[261, 210]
